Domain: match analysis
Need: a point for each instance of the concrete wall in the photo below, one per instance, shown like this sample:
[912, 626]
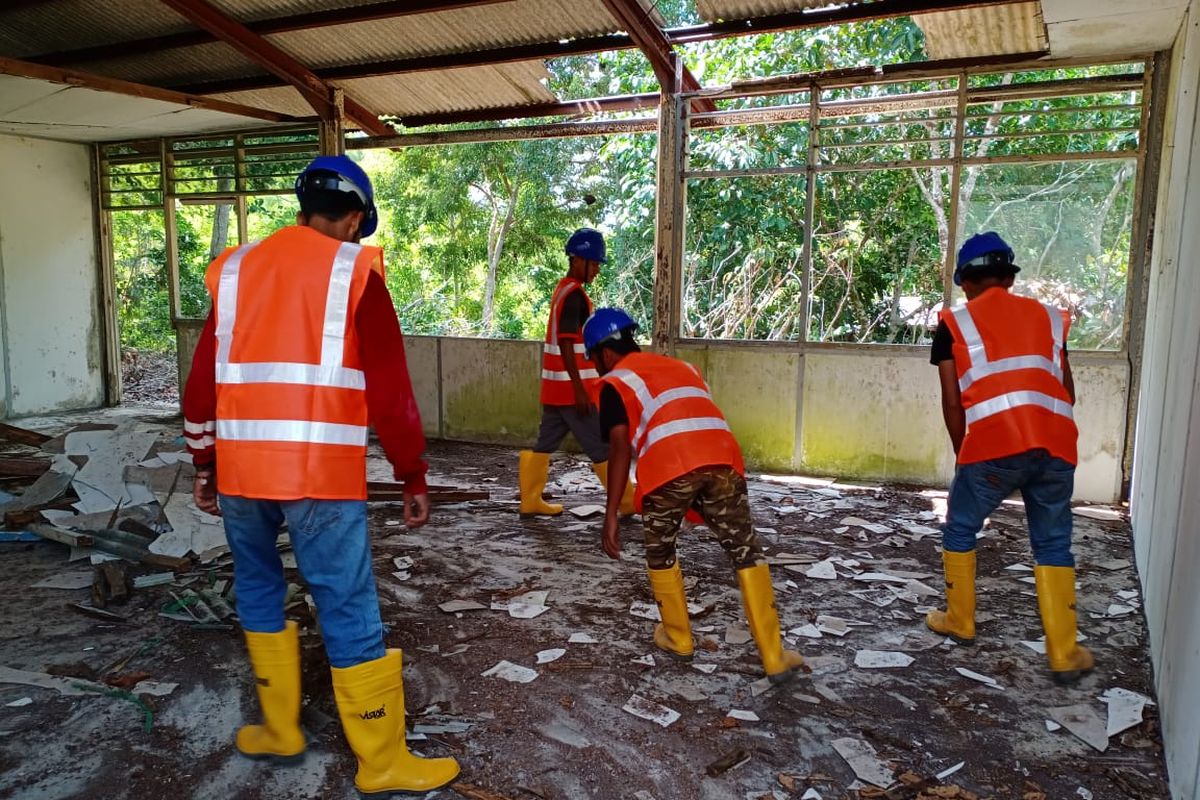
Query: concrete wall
[49, 308]
[1166, 469]
[870, 413]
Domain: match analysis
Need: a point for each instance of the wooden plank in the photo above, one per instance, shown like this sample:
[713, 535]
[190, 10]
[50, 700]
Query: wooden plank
[100, 83]
[22, 435]
[655, 45]
[23, 467]
[69, 538]
[279, 63]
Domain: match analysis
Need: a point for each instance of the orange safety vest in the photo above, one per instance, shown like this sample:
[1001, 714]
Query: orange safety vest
[674, 425]
[1008, 351]
[291, 393]
[556, 382]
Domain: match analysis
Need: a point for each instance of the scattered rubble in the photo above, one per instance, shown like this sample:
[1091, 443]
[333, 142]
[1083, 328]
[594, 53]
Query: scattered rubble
[479, 594]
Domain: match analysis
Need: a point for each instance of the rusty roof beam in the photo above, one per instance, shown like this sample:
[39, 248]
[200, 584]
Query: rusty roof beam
[655, 45]
[567, 108]
[250, 44]
[263, 27]
[797, 20]
[103, 83]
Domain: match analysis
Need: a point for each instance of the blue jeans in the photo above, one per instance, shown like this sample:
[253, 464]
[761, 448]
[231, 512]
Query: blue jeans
[1046, 484]
[333, 553]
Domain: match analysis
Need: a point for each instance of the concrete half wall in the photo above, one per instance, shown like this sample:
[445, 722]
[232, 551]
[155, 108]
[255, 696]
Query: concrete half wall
[1166, 466]
[49, 306]
[862, 412]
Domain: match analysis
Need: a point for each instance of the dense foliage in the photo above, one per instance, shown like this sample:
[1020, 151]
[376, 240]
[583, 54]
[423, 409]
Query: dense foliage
[473, 234]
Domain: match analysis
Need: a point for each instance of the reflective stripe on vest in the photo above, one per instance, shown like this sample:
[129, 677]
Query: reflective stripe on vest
[330, 372]
[291, 430]
[557, 387]
[643, 434]
[556, 375]
[981, 367]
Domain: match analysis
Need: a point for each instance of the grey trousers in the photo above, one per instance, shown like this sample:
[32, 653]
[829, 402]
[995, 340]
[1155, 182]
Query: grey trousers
[558, 421]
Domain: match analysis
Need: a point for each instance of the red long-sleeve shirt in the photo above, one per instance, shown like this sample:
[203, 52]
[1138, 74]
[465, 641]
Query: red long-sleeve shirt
[391, 405]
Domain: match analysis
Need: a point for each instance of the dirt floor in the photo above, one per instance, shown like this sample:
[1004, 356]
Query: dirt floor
[565, 734]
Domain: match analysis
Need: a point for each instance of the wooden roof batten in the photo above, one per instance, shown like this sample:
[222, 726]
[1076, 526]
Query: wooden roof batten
[320, 95]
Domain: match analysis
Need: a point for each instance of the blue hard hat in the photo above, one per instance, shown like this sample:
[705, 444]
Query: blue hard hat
[353, 179]
[587, 243]
[983, 250]
[605, 324]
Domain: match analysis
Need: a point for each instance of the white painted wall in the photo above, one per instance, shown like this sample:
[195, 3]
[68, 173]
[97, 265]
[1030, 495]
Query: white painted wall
[1166, 476]
[48, 279]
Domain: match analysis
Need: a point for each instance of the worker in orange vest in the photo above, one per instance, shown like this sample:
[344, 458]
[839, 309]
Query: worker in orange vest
[1007, 398]
[301, 351]
[660, 409]
[568, 393]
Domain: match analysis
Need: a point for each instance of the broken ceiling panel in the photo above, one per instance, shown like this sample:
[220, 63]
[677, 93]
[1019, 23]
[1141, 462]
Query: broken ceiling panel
[31, 107]
[713, 10]
[984, 31]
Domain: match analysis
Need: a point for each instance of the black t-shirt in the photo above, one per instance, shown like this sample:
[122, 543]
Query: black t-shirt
[943, 344]
[943, 341]
[574, 313]
[612, 410]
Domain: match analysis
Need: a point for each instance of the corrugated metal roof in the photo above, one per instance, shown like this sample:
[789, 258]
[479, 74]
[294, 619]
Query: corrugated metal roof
[205, 62]
[457, 31]
[68, 24]
[713, 10]
[989, 30]
[423, 92]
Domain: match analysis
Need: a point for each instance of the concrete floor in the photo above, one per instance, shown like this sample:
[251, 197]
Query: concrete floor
[565, 735]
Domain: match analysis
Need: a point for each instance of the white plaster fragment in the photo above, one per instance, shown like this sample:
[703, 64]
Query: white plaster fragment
[640, 707]
[514, 673]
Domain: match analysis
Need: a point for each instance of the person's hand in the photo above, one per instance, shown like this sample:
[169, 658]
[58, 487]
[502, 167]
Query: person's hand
[204, 491]
[610, 540]
[416, 509]
[583, 403]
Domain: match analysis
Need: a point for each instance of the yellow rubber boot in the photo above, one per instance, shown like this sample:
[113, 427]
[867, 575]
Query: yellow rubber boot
[370, 701]
[1056, 600]
[958, 620]
[534, 467]
[758, 597]
[276, 661]
[674, 633]
[627, 507]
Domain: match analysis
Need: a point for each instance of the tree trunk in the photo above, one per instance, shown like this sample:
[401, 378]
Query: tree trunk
[497, 233]
[220, 229]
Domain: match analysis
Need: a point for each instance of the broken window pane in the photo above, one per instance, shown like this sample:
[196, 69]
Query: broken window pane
[878, 253]
[202, 232]
[1069, 223]
[744, 258]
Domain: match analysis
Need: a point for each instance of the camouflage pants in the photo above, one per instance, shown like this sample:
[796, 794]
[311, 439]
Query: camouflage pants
[719, 495]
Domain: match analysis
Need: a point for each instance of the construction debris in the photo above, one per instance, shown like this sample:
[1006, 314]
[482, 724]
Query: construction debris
[731, 760]
[1083, 721]
[514, 673]
[65, 580]
[881, 659]
[975, 676]
[640, 707]
[1124, 709]
[863, 760]
[546, 656]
